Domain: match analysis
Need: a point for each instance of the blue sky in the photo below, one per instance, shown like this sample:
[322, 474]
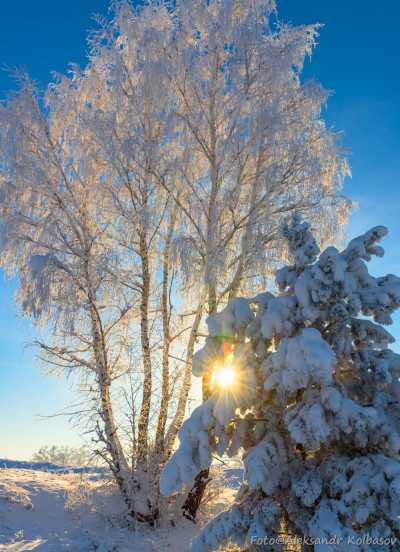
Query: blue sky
[357, 58]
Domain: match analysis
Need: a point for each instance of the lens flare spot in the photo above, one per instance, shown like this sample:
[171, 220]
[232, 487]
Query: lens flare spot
[224, 377]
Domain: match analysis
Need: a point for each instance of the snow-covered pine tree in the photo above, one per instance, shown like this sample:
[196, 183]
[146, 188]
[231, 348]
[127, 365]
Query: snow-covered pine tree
[315, 406]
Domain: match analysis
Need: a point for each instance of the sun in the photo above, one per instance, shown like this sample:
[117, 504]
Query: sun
[223, 377]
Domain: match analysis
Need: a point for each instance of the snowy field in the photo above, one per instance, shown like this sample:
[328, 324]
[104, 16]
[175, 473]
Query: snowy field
[77, 510]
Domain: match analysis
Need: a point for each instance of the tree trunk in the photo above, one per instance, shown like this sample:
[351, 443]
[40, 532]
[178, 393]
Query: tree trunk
[143, 477]
[187, 378]
[196, 493]
[165, 312]
[195, 496]
[118, 464]
[159, 448]
[143, 424]
[104, 382]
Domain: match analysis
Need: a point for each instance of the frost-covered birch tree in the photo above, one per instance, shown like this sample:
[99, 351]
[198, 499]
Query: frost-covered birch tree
[258, 150]
[257, 147]
[147, 189]
[55, 239]
[89, 234]
[315, 406]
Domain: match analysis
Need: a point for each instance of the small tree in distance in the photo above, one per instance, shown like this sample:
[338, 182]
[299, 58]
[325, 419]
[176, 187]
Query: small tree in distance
[64, 455]
[315, 406]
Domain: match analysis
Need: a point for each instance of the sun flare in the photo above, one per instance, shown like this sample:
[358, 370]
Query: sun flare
[223, 377]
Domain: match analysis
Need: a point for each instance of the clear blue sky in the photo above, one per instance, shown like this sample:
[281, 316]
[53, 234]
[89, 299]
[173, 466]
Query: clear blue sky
[357, 58]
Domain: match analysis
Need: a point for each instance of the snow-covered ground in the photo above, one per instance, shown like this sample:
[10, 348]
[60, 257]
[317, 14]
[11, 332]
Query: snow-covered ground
[70, 510]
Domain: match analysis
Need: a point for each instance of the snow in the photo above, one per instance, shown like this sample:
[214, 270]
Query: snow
[33, 511]
[204, 357]
[57, 510]
[299, 361]
[266, 463]
[278, 318]
[307, 425]
[308, 488]
[47, 466]
[236, 315]
[193, 455]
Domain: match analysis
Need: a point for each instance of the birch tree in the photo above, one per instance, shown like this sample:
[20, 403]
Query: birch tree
[54, 239]
[258, 147]
[259, 151]
[147, 190]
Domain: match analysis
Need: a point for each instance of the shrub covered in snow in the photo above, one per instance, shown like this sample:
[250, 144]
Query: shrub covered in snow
[315, 407]
[64, 455]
